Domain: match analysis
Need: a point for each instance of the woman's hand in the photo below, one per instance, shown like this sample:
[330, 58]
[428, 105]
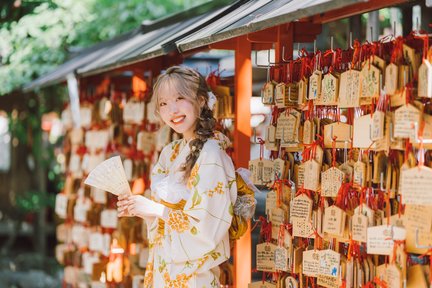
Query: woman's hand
[140, 206]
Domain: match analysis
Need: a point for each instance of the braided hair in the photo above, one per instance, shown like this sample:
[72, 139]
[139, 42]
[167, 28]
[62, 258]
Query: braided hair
[193, 87]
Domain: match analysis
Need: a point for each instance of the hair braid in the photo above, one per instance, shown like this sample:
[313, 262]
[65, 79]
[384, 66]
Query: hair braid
[204, 130]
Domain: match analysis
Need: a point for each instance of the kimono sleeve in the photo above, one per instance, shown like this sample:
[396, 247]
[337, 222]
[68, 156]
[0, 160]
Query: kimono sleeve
[204, 222]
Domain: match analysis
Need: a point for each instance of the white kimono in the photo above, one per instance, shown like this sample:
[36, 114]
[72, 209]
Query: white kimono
[191, 240]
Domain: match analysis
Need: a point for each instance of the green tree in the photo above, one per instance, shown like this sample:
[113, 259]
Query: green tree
[42, 39]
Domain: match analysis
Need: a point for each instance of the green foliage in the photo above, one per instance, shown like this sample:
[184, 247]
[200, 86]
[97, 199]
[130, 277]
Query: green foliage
[33, 201]
[42, 39]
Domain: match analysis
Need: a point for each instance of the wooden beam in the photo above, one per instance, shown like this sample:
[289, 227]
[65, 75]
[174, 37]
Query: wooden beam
[268, 35]
[242, 134]
[261, 46]
[351, 10]
[229, 44]
[306, 28]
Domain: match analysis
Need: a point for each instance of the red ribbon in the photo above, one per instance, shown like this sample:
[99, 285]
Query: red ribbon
[380, 283]
[266, 229]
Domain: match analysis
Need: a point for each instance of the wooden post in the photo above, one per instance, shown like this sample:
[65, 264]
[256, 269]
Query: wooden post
[242, 134]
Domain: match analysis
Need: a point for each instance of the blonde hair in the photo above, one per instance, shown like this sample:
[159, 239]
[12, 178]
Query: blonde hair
[191, 85]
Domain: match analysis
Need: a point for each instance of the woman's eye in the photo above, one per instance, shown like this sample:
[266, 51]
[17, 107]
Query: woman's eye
[162, 104]
[180, 98]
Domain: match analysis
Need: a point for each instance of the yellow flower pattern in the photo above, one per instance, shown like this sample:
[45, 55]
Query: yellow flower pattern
[178, 221]
[148, 276]
[193, 178]
[181, 281]
[219, 189]
[175, 150]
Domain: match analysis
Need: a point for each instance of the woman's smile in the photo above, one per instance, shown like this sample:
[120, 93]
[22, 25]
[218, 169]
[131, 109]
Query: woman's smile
[178, 119]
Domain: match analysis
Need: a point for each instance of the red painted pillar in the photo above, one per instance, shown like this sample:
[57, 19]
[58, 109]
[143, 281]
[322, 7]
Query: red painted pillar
[242, 134]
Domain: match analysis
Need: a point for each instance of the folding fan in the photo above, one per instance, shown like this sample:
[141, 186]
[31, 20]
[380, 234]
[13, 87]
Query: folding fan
[109, 176]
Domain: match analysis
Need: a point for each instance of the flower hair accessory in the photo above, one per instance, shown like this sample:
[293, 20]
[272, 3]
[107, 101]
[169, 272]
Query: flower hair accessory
[211, 100]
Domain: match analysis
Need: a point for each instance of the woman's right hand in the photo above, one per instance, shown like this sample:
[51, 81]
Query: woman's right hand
[123, 205]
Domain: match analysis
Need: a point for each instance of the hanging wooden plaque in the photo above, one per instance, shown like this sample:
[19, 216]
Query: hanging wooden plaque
[315, 84]
[329, 90]
[424, 88]
[331, 181]
[349, 90]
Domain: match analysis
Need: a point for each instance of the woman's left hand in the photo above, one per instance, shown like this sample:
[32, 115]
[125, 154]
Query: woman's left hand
[140, 206]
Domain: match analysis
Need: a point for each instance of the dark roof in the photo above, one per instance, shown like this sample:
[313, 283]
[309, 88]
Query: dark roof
[258, 15]
[149, 45]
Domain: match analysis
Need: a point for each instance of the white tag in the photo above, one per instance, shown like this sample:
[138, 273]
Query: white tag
[60, 249]
[380, 239]
[146, 142]
[81, 208]
[133, 112]
[75, 163]
[66, 118]
[88, 260]
[76, 136]
[99, 196]
[109, 218]
[80, 235]
[362, 132]
[85, 116]
[96, 139]
[106, 244]
[96, 242]
[61, 205]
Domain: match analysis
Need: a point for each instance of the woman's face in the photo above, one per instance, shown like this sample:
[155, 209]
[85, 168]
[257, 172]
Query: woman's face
[177, 112]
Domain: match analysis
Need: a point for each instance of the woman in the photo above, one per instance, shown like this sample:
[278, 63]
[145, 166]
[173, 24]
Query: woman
[193, 188]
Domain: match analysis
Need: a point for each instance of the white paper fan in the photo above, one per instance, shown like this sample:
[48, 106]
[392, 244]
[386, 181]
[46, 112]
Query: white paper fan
[109, 176]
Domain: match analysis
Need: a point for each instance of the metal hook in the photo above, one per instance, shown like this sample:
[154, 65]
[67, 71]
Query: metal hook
[287, 142]
[267, 138]
[283, 55]
[350, 40]
[255, 137]
[289, 95]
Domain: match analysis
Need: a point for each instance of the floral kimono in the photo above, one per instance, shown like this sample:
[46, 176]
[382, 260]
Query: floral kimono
[189, 242]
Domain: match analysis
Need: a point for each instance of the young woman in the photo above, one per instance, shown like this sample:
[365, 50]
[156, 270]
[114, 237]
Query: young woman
[193, 188]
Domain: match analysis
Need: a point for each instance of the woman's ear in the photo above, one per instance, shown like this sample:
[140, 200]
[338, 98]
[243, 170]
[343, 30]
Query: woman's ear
[201, 101]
